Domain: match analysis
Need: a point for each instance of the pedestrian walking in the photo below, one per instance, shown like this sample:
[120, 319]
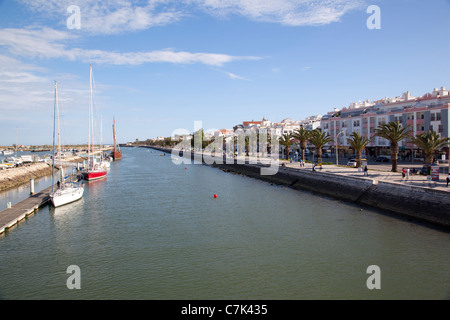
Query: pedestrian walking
[366, 171]
[407, 173]
[403, 172]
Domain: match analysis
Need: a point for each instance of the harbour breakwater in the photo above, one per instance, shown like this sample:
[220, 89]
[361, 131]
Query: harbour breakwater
[419, 204]
[14, 177]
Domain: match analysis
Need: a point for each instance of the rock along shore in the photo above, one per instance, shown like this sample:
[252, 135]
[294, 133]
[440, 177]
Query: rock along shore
[415, 203]
[14, 177]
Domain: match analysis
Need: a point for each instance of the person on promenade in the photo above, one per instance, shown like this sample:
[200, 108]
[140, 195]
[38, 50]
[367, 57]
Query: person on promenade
[448, 178]
[403, 172]
[366, 171]
[407, 173]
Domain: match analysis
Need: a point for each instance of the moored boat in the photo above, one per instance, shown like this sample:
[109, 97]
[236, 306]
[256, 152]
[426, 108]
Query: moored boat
[94, 170]
[66, 192]
[116, 153]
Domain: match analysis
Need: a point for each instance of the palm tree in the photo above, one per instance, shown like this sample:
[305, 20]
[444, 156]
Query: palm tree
[429, 142]
[319, 139]
[302, 135]
[286, 141]
[358, 143]
[393, 132]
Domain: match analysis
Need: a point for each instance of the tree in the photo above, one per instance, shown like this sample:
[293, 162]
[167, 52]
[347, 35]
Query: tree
[286, 141]
[319, 139]
[358, 143]
[394, 133]
[302, 135]
[429, 142]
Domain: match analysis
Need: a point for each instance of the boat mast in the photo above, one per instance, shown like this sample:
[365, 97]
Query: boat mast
[54, 125]
[114, 132]
[91, 132]
[92, 116]
[59, 138]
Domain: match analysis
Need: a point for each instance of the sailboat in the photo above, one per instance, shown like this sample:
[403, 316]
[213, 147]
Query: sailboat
[94, 168]
[66, 192]
[116, 154]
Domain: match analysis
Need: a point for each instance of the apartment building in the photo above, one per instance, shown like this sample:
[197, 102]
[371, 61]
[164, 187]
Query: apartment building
[428, 112]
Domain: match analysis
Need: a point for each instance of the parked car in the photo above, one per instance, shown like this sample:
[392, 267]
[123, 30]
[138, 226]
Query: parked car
[352, 163]
[326, 155]
[382, 159]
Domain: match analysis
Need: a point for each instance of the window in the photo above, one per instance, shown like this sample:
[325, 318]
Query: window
[433, 117]
[356, 123]
[398, 119]
[440, 128]
[438, 116]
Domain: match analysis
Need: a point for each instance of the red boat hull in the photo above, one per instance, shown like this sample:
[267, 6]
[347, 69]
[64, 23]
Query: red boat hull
[116, 155]
[94, 175]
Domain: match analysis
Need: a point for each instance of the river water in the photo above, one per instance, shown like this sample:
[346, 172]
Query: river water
[153, 230]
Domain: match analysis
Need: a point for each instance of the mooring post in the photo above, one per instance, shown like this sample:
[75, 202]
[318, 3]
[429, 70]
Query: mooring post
[31, 186]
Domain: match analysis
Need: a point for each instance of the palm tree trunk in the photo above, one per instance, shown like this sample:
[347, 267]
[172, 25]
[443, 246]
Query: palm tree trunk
[319, 153]
[394, 156]
[358, 158]
[428, 158]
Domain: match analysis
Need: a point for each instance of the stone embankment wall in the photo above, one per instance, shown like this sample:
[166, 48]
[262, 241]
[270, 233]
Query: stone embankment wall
[13, 177]
[417, 203]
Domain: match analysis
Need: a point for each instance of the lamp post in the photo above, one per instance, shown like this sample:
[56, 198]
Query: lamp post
[337, 148]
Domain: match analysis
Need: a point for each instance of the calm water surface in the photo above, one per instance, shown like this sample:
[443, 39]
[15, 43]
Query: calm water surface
[152, 230]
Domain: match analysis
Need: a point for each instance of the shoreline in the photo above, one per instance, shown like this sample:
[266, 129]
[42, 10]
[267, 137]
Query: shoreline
[407, 201]
[15, 177]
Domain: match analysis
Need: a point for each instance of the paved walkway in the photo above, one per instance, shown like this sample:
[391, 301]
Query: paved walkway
[377, 173]
[380, 172]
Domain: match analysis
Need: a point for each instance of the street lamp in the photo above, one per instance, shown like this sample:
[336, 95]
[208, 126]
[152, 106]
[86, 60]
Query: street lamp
[337, 147]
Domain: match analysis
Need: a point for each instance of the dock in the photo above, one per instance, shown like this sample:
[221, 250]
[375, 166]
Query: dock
[18, 212]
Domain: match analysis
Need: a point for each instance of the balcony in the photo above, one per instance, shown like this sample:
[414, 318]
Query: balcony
[410, 122]
[420, 121]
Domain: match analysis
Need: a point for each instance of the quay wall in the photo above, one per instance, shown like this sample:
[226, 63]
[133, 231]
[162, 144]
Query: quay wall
[411, 202]
[14, 177]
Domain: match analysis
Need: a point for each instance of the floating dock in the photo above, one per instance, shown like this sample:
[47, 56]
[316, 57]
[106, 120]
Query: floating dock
[11, 216]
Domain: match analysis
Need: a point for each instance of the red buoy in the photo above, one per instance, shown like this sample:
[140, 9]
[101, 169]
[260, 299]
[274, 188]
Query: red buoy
[185, 168]
[215, 195]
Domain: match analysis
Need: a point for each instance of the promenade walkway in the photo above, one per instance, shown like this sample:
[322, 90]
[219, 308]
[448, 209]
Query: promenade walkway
[380, 172]
[376, 172]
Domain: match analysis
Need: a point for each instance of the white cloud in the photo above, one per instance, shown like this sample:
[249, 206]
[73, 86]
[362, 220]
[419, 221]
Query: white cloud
[50, 43]
[236, 77]
[121, 16]
[286, 12]
[110, 16]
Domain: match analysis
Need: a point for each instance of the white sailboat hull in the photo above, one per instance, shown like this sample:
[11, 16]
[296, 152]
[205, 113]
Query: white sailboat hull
[67, 195]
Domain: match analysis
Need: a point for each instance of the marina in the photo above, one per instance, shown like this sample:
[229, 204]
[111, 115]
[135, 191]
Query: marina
[181, 242]
[278, 163]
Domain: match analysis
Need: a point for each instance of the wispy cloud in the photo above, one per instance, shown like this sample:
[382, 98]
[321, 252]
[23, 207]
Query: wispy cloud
[50, 43]
[236, 77]
[286, 12]
[110, 16]
[120, 16]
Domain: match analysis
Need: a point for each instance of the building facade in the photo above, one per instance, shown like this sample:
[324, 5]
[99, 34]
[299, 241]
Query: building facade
[428, 112]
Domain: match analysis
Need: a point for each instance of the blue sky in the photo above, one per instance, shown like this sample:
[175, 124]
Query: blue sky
[160, 65]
